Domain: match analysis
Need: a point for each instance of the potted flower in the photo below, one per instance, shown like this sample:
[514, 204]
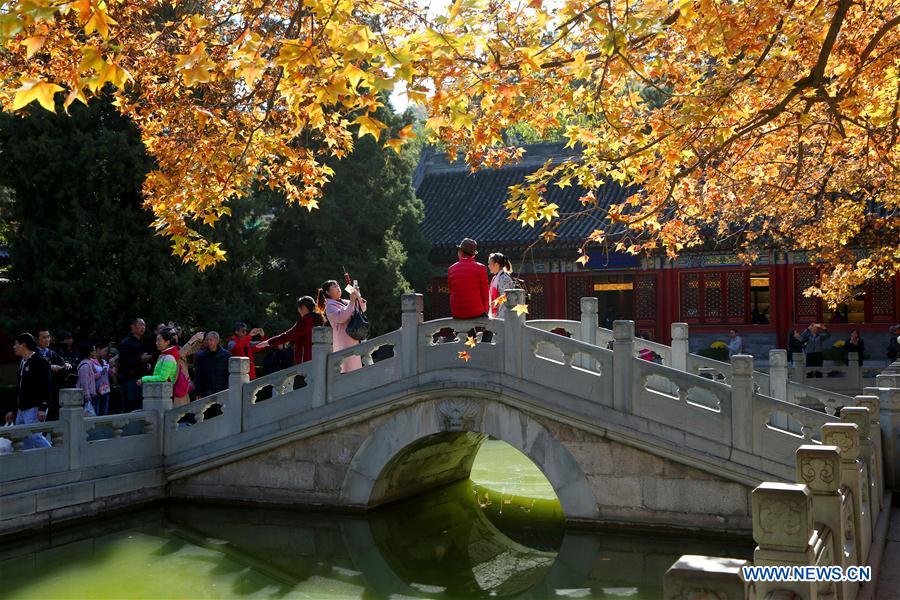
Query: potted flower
[716, 351]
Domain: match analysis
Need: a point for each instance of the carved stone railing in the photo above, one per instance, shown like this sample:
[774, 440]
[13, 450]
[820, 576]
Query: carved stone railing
[127, 438]
[371, 375]
[826, 519]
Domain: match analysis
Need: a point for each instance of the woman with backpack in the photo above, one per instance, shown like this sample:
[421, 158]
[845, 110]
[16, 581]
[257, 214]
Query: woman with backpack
[339, 312]
[102, 367]
[88, 377]
[501, 269]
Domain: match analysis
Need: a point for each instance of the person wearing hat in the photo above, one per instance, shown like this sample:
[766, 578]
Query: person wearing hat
[468, 282]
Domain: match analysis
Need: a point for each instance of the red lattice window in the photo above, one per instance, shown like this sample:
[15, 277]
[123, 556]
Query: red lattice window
[737, 284]
[576, 289]
[440, 300]
[690, 297]
[537, 303]
[717, 297]
[712, 289]
[645, 297]
[805, 309]
[881, 299]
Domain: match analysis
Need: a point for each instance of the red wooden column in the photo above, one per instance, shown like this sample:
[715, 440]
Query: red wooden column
[781, 302]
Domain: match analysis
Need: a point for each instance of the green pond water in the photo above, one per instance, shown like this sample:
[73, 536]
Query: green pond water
[498, 535]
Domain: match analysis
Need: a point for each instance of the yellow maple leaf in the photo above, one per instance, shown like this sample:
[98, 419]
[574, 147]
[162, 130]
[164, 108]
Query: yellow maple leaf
[99, 21]
[520, 309]
[470, 341]
[32, 45]
[369, 126]
[465, 356]
[42, 91]
[582, 260]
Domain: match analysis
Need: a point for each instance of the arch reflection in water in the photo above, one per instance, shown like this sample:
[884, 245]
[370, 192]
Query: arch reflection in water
[442, 544]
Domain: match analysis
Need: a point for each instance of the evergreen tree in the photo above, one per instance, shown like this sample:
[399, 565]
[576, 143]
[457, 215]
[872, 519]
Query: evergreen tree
[83, 255]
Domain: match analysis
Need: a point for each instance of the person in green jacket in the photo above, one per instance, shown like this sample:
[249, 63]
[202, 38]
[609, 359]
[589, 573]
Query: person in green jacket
[166, 368]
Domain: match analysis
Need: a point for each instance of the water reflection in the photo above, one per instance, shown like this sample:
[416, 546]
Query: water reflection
[439, 545]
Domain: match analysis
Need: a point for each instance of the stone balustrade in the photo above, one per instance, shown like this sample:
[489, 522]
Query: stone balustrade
[726, 422]
[826, 519]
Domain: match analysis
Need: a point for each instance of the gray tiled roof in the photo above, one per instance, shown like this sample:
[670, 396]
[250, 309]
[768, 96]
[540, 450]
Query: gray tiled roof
[461, 204]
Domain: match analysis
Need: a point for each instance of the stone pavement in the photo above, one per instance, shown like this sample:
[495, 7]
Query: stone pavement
[889, 583]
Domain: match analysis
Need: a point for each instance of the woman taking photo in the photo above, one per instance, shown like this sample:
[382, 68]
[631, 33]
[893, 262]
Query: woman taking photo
[338, 312]
[501, 270]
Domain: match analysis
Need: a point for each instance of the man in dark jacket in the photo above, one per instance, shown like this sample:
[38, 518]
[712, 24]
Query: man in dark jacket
[59, 368]
[211, 367]
[469, 296]
[133, 361]
[34, 388]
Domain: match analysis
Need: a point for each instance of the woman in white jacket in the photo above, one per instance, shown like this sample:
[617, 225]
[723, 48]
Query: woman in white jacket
[502, 280]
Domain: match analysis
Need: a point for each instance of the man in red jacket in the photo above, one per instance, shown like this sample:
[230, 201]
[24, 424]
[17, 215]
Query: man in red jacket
[468, 281]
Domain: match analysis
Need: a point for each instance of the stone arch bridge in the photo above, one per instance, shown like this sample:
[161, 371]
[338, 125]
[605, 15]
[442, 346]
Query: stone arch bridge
[621, 439]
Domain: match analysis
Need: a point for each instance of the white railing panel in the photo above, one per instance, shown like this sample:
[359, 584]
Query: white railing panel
[694, 404]
[284, 401]
[372, 374]
[770, 438]
[20, 462]
[113, 439]
[182, 434]
[442, 351]
[567, 364]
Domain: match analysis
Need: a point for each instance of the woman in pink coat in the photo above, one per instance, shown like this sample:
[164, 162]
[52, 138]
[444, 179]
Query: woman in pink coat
[339, 312]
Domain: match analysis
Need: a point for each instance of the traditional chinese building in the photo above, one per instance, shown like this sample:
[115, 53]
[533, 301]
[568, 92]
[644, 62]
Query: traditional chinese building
[712, 291]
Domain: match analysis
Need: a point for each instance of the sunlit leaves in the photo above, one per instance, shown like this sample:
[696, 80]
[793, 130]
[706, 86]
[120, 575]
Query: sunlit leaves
[36, 90]
[720, 116]
[520, 309]
[464, 356]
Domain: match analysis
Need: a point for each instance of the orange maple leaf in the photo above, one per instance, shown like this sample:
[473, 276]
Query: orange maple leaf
[499, 299]
[465, 356]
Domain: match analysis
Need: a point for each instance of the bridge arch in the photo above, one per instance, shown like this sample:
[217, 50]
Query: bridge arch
[434, 442]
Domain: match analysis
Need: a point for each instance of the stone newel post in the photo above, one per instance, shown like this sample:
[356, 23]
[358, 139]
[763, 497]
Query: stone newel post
[623, 357]
[742, 422]
[322, 347]
[819, 467]
[158, 398]
[778, 374]
[783, 528]
[410, 319]
[680, 346]
[589, 324]
[71, 410]
[799, 367]
[872, 405]
[705, 577]
[860, 416]
[513, 325]
[887, 388]
[846, 437]
[238, 375]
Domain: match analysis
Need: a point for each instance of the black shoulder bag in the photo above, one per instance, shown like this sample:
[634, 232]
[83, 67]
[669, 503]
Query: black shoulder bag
[358, 326]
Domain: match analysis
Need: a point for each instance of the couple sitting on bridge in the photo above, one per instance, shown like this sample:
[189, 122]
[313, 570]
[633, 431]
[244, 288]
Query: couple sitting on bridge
[471, 296]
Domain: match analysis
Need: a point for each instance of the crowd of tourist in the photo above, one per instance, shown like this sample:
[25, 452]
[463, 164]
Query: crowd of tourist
[111, 377]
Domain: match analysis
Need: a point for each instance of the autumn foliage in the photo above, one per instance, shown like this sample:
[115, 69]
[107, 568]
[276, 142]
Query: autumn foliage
[753, 124]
